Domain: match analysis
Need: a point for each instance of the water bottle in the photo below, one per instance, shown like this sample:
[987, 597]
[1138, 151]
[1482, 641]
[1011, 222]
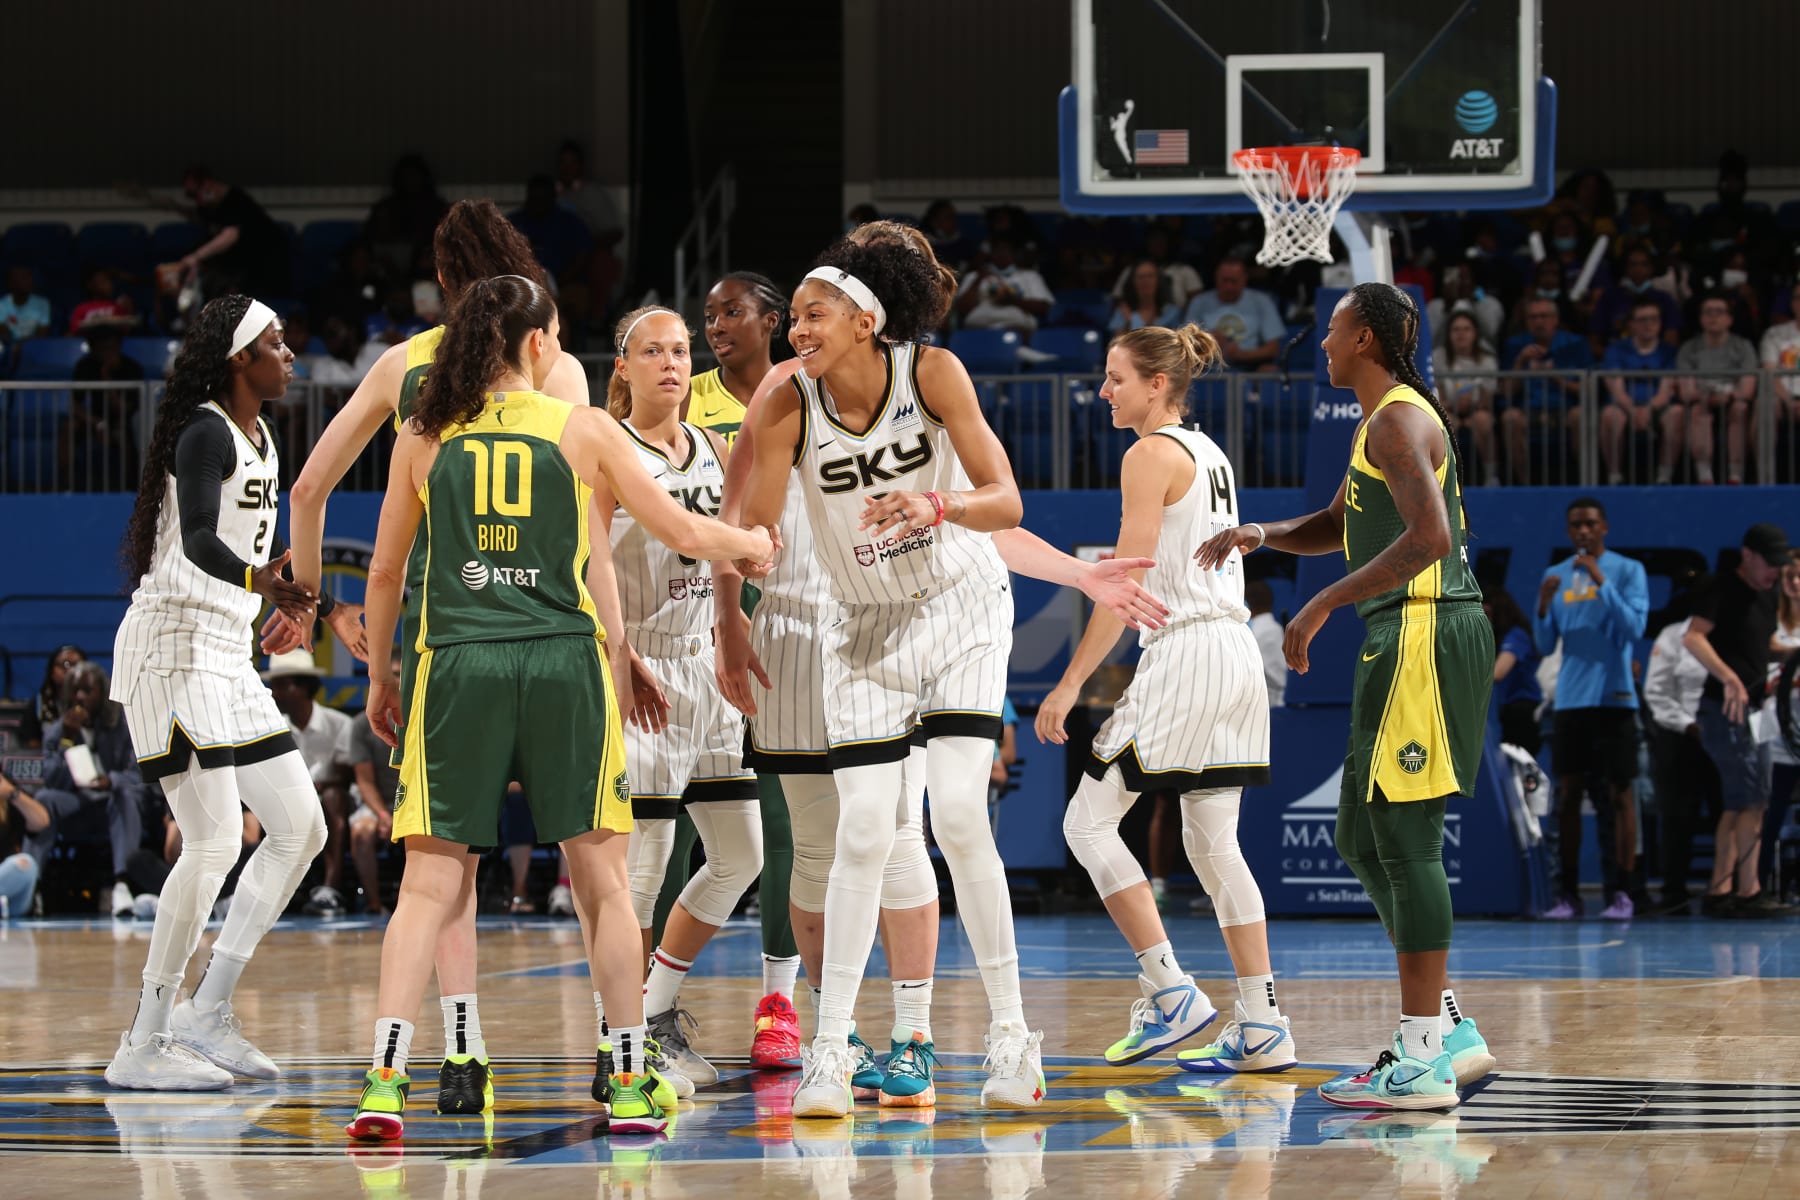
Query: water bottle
[1787, 857]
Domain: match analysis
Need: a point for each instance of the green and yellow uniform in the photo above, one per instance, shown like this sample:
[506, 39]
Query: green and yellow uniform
[421, 352]
[511, 681]
[712, 406]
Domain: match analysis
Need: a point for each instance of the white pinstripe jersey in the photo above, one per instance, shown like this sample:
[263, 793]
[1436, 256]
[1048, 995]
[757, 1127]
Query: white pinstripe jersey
[797, 579]
[181, 618]
[659, 590]
[904, 448]
[1209, 506]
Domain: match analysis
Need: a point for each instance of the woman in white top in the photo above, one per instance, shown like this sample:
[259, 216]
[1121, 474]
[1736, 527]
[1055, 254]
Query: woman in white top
[1470, 398]
[1784, 762]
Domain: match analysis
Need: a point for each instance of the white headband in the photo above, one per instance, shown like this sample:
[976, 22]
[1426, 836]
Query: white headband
[625, 339]
[257, 318]
[856, 289]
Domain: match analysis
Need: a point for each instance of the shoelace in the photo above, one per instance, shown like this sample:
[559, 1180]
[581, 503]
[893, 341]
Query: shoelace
[167, 1047]
[915, 1061]
[1006, 1056]
[669, 1032]
[1141, 1011]
[834, 1066]
[1385, 1058]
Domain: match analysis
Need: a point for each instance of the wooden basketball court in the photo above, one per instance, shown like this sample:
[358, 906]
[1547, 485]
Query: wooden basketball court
[1649, 1059]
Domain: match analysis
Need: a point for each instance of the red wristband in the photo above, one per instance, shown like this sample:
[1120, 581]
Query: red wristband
[937, 505]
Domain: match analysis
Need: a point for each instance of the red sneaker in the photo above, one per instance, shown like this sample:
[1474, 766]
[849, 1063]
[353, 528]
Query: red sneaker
[777, 1044]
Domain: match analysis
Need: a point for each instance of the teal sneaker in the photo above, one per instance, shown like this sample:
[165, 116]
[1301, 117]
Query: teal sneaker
[906, 1083]
[1468, 1051]
[865, 1082]
[1160, 1019]
[1396, 1082]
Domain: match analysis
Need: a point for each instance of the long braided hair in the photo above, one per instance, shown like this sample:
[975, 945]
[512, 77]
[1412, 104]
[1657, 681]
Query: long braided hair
[202, 372]
[1394, 320]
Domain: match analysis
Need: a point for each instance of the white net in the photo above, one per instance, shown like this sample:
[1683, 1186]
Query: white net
[1298, 190]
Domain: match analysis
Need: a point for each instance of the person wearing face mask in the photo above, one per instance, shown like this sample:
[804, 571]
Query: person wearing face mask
[1617, 304]
[1459, 293]
[1726, 390]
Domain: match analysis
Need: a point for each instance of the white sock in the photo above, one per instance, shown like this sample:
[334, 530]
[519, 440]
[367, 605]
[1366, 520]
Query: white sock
[600, 1016]
[1449, 1016]
[462, 1026]
[1665, 474]
[155, 1003]
[1257, 992]
[393, 1043]
[818, 998]
[1159, 966]
[1419, 1037]
[628, 1049]
[220, 980]
[912, 1009]
[1703, 472]
[666, 975]
[779, 976]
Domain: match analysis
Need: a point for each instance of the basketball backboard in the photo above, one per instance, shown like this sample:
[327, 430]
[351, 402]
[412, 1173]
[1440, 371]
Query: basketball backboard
[1444, 98]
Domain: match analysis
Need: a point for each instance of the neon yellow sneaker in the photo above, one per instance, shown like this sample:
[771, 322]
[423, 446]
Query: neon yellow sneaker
[632, 1107]
[377, 1116]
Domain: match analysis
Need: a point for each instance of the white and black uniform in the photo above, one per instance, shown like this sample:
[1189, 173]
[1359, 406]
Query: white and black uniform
[1196, 714]
[924, 627]
[787, 735]
[182, 662]
[668, 607]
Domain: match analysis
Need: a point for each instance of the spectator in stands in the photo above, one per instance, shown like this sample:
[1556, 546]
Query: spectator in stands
[1732, 634]
[1470, 398]
[1259, 597]
[104, 308]
[1459, 293]
[1000, 294]
[1731, 223]
[19, 813]
[23, 313]
[1245, 322]
[1517, 693]
[1638, 405]
[92, 786]
[1144, 299]
[356, 288]
[44, 708]
[400, 224]
[1546, 284]
[372, 823]
[1570, 243]
[1012, 221]
[593, 203]
[245, 251]
[1613, 312]
[563, 246]
[1725, 393]
[1553, 400]
[323, 735]
[1687, 784]
[1746, 299]
[1595, 603]
[1588, 194]
[97, 443]
[348, 356]
[947, 241]
[1781, 352]
[1183, 280]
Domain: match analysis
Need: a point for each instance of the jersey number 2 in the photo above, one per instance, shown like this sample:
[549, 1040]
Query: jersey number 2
[503, 482]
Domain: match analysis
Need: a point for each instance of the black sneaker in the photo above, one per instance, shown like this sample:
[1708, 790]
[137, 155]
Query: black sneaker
[1761, 905]
[465, 1085]
[603, 1069]
[1718, 904]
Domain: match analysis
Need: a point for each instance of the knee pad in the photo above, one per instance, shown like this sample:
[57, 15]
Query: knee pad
[281, 795]
[870, 799]
[731, 831]
[812, 818]
[1091, 827]
[908, 880]
[647, 854]
[1209, 834]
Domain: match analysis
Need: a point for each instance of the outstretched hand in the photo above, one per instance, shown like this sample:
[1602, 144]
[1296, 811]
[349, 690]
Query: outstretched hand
[1216, 549]
[1109, 584]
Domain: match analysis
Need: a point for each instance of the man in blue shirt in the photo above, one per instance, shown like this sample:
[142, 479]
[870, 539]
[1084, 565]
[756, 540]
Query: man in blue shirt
[1245, 321]
[22, 313]
[1556, 398]
[1596, 602]
[1635, 403]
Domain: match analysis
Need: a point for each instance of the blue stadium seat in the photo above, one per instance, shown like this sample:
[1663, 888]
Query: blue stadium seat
[122, 245]
[1024, 416]
[39, 244]
[1081, 316]
[170, 241]
[1075, 349]
[154, 354]
[57, 353]
[987, 351]
[1787, 218]
[972, 226]
[326, 239]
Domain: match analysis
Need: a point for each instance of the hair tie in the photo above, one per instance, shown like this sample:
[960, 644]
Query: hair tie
[625, 338]
[256, 318]
[859, 292]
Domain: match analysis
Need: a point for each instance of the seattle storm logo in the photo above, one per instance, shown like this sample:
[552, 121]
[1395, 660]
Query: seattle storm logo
[1412, 758]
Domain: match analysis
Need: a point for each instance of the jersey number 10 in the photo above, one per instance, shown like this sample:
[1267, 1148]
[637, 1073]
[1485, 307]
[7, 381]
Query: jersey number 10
[502, 483]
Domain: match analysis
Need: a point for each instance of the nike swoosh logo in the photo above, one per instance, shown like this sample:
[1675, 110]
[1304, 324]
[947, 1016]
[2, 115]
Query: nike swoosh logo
[1268, 1043]
[1371, 657]
[1395, 1081]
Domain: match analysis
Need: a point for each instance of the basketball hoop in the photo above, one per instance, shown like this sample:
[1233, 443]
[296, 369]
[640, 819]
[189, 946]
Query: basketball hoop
[1298, 190]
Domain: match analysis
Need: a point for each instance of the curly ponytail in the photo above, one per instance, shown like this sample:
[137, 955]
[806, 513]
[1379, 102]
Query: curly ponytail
[1181, 354]
[475, 241]
[481, 341]
[618, 390]
[907, 284]
[202, 372]
[900, 233]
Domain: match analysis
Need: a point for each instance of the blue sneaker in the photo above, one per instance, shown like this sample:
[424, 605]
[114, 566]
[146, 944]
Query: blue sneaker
[865, 1082]
[1468, 1051]
[1245, 1046]
[1161, 1019]
[906, 1081]
[1396, 1082]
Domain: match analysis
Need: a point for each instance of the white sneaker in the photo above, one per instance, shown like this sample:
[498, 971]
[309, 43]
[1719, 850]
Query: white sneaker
[1015, 1067]
[657, 1061]
[159, 1065]
[216, 1036]
[1244, 1046]
[825, 1069]
[123, 902]
[144, 907]
[562, 901]
[669, 1028]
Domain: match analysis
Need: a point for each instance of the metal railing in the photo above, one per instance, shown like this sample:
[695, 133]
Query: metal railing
[709, 236]
[1512, 427]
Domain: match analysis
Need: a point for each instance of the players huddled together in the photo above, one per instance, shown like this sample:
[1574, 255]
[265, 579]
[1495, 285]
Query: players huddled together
[770, 605]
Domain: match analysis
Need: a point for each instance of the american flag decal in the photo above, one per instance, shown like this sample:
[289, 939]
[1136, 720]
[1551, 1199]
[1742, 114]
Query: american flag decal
[1160, 147]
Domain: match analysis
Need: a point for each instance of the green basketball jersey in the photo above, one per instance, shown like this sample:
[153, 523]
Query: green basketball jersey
[1372, 521]
[506, 523]
[421, 351]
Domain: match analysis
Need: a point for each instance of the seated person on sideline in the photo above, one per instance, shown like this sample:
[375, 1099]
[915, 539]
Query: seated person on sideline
[1245, 322]
[372, 824]
[1727, 391]
[1259, 598]
[103, 805]
[1638, 405]
[1000, 294]
[323, 735]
